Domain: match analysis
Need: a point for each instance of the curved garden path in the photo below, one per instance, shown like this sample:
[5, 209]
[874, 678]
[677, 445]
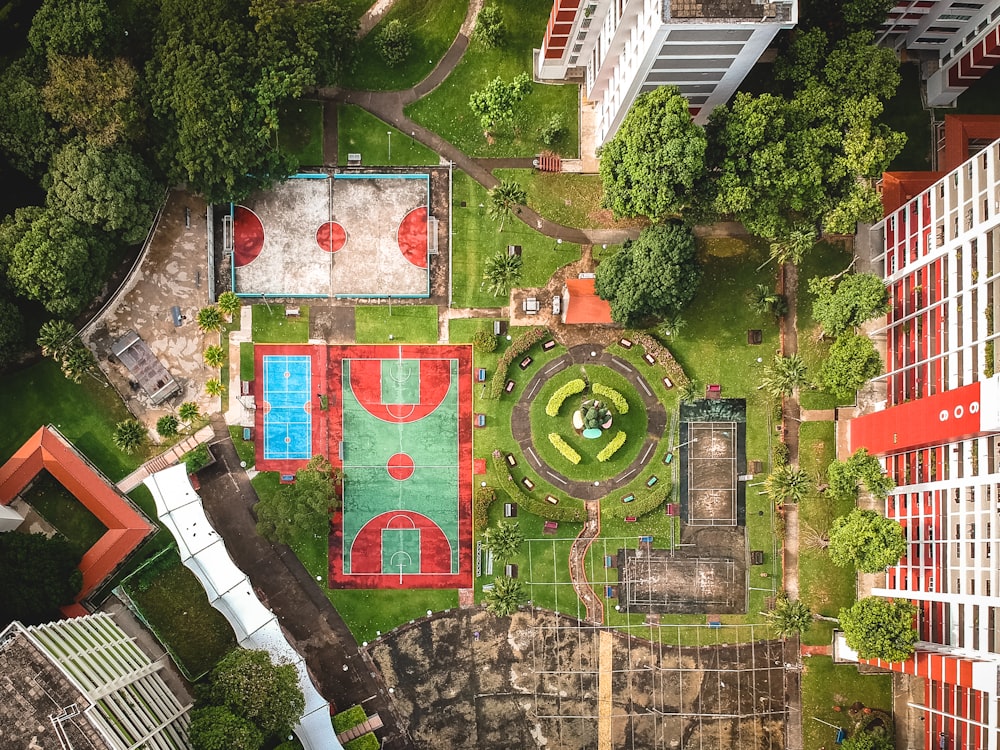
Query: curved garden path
[578, 570]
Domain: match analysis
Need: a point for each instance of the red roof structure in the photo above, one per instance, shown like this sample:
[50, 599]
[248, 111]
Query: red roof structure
[583, 305]
[48, 450]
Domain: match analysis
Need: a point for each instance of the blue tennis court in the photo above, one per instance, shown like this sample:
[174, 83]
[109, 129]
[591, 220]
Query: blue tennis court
[287, 407]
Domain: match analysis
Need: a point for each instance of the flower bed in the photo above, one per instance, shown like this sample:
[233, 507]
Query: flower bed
[569, 389]
[617, 400]
[566, 449]
[612, 447]
[646, 501]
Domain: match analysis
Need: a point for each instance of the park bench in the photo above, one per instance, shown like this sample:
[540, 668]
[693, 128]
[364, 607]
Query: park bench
[550, 527]
[510, 386]
[609, 561]
[650, 359]
[354, 160]
[510, 510]
[551, 499]
[628, 498]
[510, 570]
[481, 375]
[511, 461]
[528, 483]
[292, 311]
[671, 509]
[625, 343]
[480, 420]
[652, 480]
[630, 519]
[713, 390]
[668, 383]
[550, 344]
[525, 363]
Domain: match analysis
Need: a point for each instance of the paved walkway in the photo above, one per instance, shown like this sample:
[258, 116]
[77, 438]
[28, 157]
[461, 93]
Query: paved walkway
[168, 458]
[577, 569]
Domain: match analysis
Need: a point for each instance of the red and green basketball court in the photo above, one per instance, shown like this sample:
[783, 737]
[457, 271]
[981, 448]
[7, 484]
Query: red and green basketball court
[399, 423]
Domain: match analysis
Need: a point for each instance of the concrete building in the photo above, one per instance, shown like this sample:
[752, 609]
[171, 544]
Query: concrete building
[623, 48]
[958, 42]
[83, 683]
[938, 432]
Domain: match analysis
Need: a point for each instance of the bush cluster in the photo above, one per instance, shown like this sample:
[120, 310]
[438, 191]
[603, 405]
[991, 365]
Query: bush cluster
[613, 447]
[364, 742]
[646, 501]
[562, 393]
[517, 347]
[564, 448]
[484, 341]
[781, 454]
[664, 359]
[572, 512]
[349, 719]
[484, 498]
[617, 400]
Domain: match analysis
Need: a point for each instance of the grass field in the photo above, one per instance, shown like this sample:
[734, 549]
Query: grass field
[244, 448]
[410, 324]
[68, 515]
[300, 132]
[433, 25]
[446, 110]
[246, 360]
[475, 238]
[825, 685]
[271, 326]
[359, 132]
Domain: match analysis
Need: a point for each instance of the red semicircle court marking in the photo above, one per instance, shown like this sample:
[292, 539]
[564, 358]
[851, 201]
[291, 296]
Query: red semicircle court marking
[248, 236]
[366, 549]
[412, 237]
[400, 466]
[366, 378]
[331, 236]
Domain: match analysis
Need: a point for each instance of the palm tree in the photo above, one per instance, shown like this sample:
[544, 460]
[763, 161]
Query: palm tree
[214, 387]
[167, 425]
[689, 392]
[505, 596]
[783, 375]
[188, 412]
[790, 617]
[792, 248]
[501, 273]
[210, 318]
[504, 540]
[214, 356]
[78, 361]
[129, 435]
[671, 326]
[504, 200]
[229, 303]
[55, 336]
[787, 484]
[764, 300]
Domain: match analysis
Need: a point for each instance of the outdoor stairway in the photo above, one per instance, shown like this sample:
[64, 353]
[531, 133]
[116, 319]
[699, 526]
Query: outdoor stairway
[166, 459]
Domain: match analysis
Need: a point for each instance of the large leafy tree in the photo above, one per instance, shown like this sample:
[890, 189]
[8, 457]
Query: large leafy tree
[27, 134]
[302, 508]
[845, 303]
[251, 686]
[501, 273]
[879, 629]
[860, 468]
[867, 540]
[75, 27]
[40, 576]
[505, 596]
[107, 188]
[218, 728]
[657, 274]
[852, 362]
[11, 330]
[651, 165]
[495, 103]
[52, 259]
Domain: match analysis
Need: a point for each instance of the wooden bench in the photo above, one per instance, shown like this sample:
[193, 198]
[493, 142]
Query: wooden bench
[625, 343]
[511, 461]
[510, 510]
[668, 383]
[650, 359]
[509, 387]
[528, 483]
[628, 498]
[552, 500]
[525, 363]
[550, 344]
[652, 480]
[510, 570]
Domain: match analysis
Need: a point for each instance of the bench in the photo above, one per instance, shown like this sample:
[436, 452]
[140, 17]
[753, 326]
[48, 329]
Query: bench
[628, 498]
[652, 480]
[646, 539]
[510, 386]
[650, 359]
[525, 363]
[354, 160]
[481, 375]
[510, 510]
[715, 623]
[510, 570]
[625, 343]
[671, 509]
[669, 457]
[550, 344]
[556, 305]
[552, 500]
[511, 461]
[292, 311]
[713, 391]
[287, 479]
[630, 519]
[514, 250]
[528, 483]
[550, 527]
[611, 592]
[497, 327]
[247, 433]
[608, 561]
[668, 383]
[480, 420]
[245, 387]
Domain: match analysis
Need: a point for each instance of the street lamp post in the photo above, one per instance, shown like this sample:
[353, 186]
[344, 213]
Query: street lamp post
[692, 440]
[388, 134]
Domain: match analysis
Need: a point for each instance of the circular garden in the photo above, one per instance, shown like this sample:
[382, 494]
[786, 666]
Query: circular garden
[588, 423]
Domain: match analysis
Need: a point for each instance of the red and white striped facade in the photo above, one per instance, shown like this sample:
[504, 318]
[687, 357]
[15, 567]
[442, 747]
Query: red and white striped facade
[939, 436]
[963, 34]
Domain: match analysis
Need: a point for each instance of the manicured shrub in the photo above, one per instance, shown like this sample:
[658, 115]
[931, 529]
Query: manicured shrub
[517, 347]
[394, 42]
[562, 393]
[167, 425]
[350, 718]
[364, 742]
[490, 27]
[484, 498]
[484, 341]
[646, 501]
[564, 448]
[781, 454]
[612, 448]
[553, 130]
[571, 511]
[617, 400]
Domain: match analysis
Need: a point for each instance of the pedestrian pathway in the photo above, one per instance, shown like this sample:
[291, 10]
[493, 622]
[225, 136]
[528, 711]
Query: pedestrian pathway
[818, 415]
[169, 457]
[446, 314]
[577, 564]
[605, 679]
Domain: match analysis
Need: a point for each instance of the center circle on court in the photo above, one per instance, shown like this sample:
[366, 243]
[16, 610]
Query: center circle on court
[331, 236]
[400, 466]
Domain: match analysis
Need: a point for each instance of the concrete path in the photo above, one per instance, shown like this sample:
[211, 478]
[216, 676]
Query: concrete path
[446, 314]
[578, 570]
[169, 457]
[605, 700]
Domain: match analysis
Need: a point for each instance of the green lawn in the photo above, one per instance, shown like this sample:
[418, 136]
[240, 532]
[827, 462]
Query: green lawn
[824, 587]
[246, 361]
[825, 685]
[905, 113]
[271, 326]
[67, 514]
[410, 324]
[573, 200]
[86, 414]
[363, 133]
[173, 603]
[433, 26]
[244, 448]
[475, 238]
[300, 131]
[446, 109]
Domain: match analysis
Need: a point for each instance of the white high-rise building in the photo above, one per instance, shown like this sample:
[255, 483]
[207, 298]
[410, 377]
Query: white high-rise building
[623, 48]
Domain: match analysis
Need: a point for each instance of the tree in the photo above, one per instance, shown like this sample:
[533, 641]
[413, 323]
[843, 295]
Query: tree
[851, 363]
[689, 392]
[860, 468]
[28, 136]
[11, 330]
[671, 325]
[214, 387]
[505, 596]
[78, 361]
[41, 575]
[129, 436]
[215, 355]
[166, 426]
[188, 411]
[879, 629]
[553, 130]
[862, 13]
[56, 337]
[229, 303]
[504, 200]
[504, 540]
[394, 42]
[302, 509]
[490, 26]
[790, 617]
[783, 375]
[501, 273]
[792, 247]
[81, 27]
[210, 318]
[251, 686]
[218, 728]
[110, 189]
[867, 540]
[494, 104]
[657, 274]
[766, 301]
[651, 165]
[787, 484]
[848, 303]
[52, 259]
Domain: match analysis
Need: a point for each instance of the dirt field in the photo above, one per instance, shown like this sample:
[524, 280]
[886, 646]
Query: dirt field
[466, 679]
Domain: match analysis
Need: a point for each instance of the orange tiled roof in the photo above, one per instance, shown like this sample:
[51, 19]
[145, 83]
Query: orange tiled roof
[127, 528]
[583, 305]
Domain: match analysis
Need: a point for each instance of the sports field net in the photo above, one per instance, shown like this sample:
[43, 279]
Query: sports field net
[712, 470]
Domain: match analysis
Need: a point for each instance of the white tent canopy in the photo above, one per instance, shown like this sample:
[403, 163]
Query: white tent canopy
[229, 591]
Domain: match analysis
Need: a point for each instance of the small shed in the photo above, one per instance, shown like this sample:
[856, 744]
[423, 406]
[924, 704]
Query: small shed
[581, 305]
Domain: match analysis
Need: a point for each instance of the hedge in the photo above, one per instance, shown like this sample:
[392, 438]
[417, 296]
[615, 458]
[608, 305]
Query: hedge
[616, 399]
[517, 347]
[570, 512]
[564, 392]
[612, 448]
[350, 718]
[664, 359]
[646, 501]
[485, 497]
[364, 742]
[567, 450]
